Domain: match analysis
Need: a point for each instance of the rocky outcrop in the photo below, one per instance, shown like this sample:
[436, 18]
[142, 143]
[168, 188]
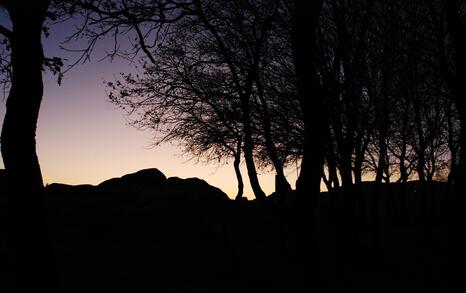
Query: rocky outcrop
[142, 188]
[193, 189]
[147, 179]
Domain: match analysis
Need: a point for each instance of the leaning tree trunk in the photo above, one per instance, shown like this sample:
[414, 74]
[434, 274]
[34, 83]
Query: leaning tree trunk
[27, 237]
[403, 170]
[239, 177]
[421, 150]
[281, 184]
[248, 148]
[331, 162]
[306, 18]
[382, 163]
[384, 123]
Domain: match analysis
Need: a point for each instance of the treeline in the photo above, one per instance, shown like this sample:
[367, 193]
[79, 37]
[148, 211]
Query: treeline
[221, 80]
[382, 67]
[347, 89]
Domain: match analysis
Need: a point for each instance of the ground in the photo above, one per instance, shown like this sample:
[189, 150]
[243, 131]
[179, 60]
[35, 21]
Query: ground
[367, 239]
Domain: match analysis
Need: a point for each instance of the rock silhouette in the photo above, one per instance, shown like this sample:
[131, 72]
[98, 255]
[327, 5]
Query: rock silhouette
[148, 187]
[134, 182]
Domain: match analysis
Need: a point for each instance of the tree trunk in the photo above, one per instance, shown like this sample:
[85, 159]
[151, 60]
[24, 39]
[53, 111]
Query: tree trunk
[331, 161]
[421, 168]
[384, 118]
[327, 182]
[421, 160]
[332, 171]
[311, 99]
[248, 148]
[239, 177]
[281, 184]
[244, 93]
[306, 17]
[357, 170]
[346, 170]
[382, 164]
[360, 152]
[19, 126]
[403, 171]
[27, 235]
[453, 164]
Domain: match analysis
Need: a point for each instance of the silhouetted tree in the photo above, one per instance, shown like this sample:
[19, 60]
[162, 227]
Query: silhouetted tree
[266, 118]
[343, 70]
[181, 102]
[22, 67]
[279, 119]
[232, 48]
[332, 182]
[19, 127]
[204, 49]
[423, 88]
[388, 109]
[305, 18]
[370, 62]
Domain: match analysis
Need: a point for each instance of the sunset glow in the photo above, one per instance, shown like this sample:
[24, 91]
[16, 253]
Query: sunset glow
[83, 139]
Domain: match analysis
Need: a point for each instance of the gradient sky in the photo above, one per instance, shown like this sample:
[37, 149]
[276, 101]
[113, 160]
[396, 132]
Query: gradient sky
[83, 138]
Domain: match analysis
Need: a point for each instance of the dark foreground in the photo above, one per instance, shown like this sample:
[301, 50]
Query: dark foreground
[184, 236]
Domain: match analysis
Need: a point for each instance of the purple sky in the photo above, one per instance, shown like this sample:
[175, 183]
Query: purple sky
[83, 138]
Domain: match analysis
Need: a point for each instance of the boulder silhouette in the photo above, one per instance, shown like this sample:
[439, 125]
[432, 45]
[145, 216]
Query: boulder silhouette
[153, 185]
[142, 188]
[193, 189]
[147, 179]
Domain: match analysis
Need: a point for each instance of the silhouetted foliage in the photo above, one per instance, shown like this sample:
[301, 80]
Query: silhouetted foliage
[385, 70]
[213, 59]
[391, 117]
[376, 75]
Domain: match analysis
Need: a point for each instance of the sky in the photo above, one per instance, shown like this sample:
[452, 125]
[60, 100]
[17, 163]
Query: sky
[84, 139]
